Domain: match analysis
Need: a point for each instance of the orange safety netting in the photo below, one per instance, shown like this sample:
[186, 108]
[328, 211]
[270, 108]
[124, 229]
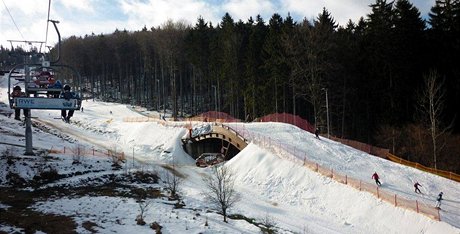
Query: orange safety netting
[384, 153]
[290, 119]
[88, 152]
[214, 116]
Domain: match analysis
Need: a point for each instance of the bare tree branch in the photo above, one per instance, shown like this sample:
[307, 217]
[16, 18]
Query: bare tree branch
[220, 189]
[431, 106]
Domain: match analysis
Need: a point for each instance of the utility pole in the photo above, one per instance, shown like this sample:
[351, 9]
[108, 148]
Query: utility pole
[158, 92]
[327, 112]
[215, 97]
[27, 113]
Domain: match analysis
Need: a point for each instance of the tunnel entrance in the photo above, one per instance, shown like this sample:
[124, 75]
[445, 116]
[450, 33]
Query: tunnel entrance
[210, 145]
[217, 139]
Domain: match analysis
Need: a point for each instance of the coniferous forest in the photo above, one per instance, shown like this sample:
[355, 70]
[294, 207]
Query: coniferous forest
[392, 79]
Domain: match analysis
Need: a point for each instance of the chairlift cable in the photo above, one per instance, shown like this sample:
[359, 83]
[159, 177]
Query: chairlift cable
[14, 22]
[47, 23]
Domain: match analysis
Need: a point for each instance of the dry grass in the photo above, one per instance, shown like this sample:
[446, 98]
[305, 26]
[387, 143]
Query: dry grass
[19, 215]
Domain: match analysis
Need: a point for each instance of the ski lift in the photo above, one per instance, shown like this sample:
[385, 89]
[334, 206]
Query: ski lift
[40, 84]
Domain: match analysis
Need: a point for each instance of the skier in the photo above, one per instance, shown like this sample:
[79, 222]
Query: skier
[247, 118]
[438, 200]
[417, 190]
[17, 93]
[375, 176]
[317, 133]
[67, 95]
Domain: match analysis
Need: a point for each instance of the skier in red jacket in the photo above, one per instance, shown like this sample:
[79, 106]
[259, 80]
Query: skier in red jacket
[375, 176]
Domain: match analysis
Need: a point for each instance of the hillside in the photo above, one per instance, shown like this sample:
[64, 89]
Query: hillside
[94, 195]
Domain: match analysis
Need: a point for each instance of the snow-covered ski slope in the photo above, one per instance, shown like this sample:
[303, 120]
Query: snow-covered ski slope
[298, 199]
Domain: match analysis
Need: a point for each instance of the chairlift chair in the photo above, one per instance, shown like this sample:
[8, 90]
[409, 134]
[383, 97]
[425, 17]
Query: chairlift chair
[40, 93]
[40, 86]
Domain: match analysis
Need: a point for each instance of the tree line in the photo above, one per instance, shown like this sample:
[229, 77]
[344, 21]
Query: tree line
[374, 72]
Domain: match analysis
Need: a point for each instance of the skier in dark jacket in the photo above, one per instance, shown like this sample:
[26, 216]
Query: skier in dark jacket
[417, 190]
[17, 92]
[67, 95]
[317, 133]
[438, 200]
[375, 176]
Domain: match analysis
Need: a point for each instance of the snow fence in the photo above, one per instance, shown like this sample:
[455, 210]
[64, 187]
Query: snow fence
[80, 151]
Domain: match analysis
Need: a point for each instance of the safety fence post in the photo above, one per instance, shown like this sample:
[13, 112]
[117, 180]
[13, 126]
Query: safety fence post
[64, 149]
[93, 151]
[378, 195]
[332, 173]
[359, 185]
[396, 202]
[316, 167]
[439, 215]
[416, 205]
[346, 179]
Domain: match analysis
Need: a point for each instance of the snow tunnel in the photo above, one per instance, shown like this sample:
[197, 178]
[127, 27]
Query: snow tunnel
[213, 138]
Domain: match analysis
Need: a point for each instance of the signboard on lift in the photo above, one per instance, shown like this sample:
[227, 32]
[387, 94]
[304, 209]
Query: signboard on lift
[45, 103]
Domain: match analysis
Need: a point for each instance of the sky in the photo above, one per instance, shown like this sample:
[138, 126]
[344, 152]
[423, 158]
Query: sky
[26, 19]
[269, 174]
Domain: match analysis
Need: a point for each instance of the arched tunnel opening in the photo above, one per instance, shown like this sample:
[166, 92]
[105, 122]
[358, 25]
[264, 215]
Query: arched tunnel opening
[210, 145]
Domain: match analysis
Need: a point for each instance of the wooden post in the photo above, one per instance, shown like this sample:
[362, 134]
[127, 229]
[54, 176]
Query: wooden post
[439, 215]
[396, 202]
[378, 195]
[316, 167]
[416, 205]
[332, 173]
[64, 149]
[346, 179]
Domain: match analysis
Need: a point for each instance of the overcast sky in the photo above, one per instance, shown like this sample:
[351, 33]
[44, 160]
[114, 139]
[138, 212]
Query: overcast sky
[80, 17]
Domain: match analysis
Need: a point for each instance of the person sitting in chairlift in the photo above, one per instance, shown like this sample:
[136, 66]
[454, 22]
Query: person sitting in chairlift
[17, 92]
[56, 85]
[67, 95]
